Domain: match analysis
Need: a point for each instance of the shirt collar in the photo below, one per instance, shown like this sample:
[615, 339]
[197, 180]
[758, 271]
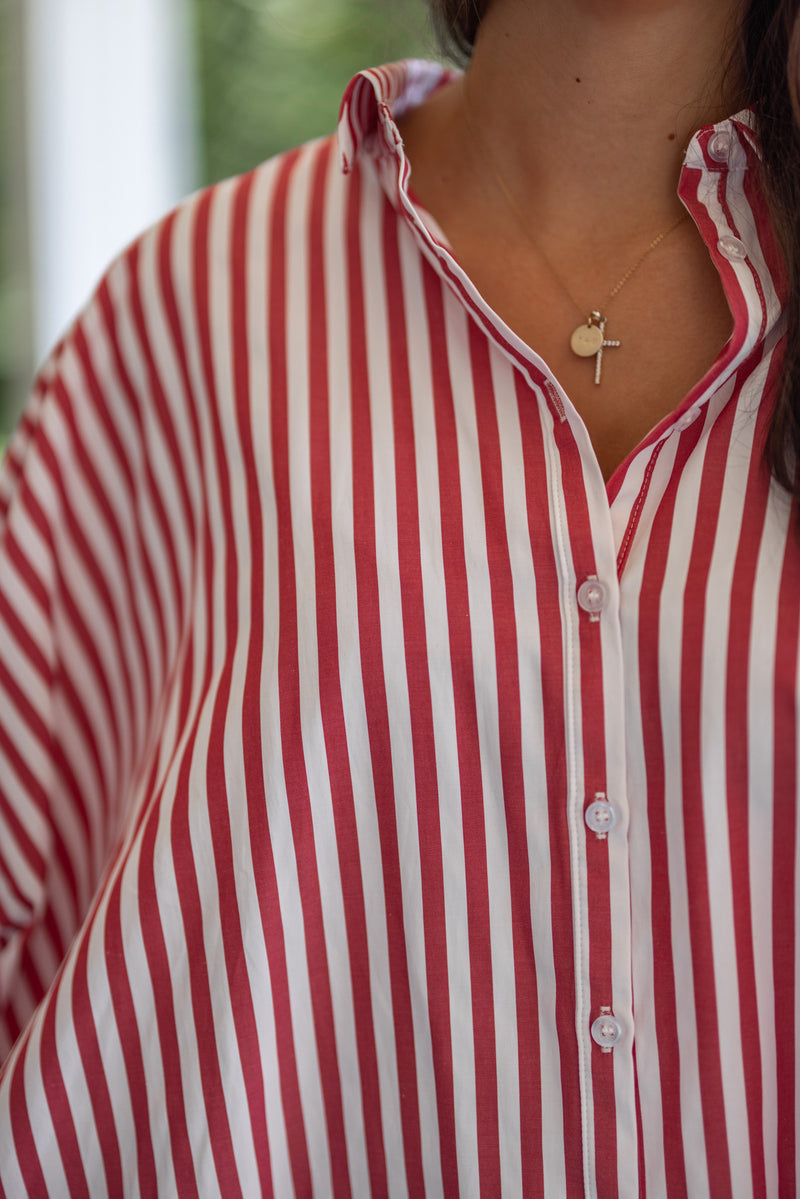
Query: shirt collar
[374, 98]
[719, 186]
[721, 180]
[722, 153]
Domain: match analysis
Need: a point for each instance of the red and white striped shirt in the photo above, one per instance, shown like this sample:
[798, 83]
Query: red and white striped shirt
[387, 805]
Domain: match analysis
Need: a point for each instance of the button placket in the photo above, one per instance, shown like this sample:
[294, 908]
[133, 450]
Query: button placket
[600, 877]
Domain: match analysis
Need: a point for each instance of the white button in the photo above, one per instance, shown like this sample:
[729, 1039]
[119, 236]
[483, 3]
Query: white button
[600, 817]
[687, 419]
[606, 1032]
[719, 145]
[731, 248]
[593, 596]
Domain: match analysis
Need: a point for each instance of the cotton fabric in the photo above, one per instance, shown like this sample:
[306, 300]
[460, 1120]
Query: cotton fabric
[388, 806]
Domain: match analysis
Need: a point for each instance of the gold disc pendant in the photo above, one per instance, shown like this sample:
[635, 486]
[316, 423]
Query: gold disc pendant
[589, 341]
[586, 340]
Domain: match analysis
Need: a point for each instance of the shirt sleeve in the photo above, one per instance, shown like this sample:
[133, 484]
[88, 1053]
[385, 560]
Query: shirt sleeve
[80, 634]
[27, 749]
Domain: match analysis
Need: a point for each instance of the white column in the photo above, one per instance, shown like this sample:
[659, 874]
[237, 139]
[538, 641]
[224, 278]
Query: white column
[111, 138]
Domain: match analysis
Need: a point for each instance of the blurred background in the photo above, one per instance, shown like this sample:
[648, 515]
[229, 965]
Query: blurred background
[111, 110]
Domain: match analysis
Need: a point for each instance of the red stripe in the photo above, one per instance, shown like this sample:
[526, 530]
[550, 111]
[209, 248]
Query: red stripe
[171, 664]
[35, 658]
[147, 819]
[58, 1101]
[784, 858]
[24, 1143]
[10, 1029]
[79, 871]
[289, 689]
[17, 556]
[467, 737]
[122, 469]
[691, 656]
[99, 1096]
[641, 1159]
[72, 611]
[737, 774]
[119, 984]
[485, 317]
[708, 231]
[217, 792]
[18, 449]
[650, 650]
[186, 873]
[140, 451]
[153, 941]
[371, 647]
[767, 240]
[534, 456]
[332, 709]
[35, 796]
[260, 838]
[12, 923]
[420, 710]
[130, 713]
[511, 759]
[593, 733]
[179, 472]
[155, 949]
[738, 303]
[612, 489]
[30, 979]
[241, 997]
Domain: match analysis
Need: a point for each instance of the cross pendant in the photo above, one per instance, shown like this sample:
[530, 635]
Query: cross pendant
[604, 344]
[589, 341]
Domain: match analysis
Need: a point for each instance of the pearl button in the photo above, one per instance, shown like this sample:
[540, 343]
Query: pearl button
[600, 817]
[687, 419]
[719, 145]
[606, 1032]
[731, 248]
[593, 596]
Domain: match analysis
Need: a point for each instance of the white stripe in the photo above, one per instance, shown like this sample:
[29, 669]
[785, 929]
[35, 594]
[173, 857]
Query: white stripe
[760, 718]
[473, 522]
[351, 678]
[394, 665]
[670, 641]
[257, 258]
[41, 1124]
[444, 727]
[314, 744]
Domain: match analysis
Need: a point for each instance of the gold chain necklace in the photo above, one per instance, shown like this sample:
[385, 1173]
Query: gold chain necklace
[589, 339]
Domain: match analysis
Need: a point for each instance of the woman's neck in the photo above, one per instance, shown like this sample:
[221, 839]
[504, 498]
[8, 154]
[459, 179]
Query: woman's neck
[589, 104]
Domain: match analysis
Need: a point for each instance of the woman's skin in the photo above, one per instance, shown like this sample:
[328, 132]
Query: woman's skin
[588, 106]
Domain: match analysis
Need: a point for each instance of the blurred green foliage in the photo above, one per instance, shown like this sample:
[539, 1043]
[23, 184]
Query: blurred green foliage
[15, 298]
[272, 72]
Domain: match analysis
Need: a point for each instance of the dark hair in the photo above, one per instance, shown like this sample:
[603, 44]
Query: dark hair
[767, 64]
[770, 71]
[456, 22]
